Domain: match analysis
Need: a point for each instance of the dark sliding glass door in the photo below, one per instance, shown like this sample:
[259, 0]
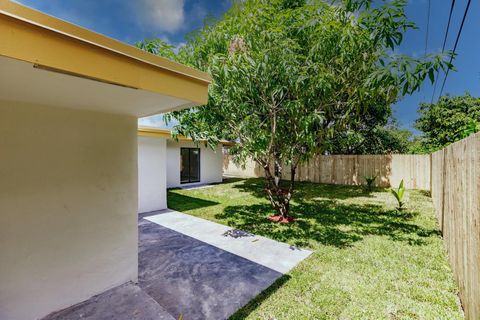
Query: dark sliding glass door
[189, 165]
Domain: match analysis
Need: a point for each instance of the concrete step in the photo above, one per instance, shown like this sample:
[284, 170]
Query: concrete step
[125, 302]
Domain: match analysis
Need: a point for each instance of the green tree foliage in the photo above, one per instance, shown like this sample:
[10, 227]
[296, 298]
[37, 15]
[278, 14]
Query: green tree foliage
[159, 47]
[290, 75]
[388, 139]
[372, 138]
[374, 131]
[416, 146]
[446, 121]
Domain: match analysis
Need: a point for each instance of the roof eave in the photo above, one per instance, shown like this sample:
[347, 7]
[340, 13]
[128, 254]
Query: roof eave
[30, 36]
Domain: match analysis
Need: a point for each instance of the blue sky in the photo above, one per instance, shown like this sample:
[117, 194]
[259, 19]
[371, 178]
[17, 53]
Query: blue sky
[467, 63]
[171, 20]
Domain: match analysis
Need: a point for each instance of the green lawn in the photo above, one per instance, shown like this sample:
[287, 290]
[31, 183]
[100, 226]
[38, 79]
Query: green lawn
[369, 262]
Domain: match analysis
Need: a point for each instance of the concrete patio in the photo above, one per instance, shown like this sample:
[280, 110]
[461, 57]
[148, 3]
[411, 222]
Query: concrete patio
[191, 268]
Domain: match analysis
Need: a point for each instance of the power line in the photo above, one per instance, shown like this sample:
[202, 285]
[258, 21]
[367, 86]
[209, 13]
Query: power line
[448, 25]
[443, 47]
[456, 43]
[428, 26]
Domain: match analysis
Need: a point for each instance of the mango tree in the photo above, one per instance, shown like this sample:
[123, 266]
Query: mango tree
[289, 75]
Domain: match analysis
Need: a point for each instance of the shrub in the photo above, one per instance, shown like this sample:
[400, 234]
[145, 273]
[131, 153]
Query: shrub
[398, 194]
[370, 181]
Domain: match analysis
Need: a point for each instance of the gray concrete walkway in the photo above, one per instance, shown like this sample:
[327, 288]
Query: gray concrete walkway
[191, 268]
[272, 254]
[193, 279]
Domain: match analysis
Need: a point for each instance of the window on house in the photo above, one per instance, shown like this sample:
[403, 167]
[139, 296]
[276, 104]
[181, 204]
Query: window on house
[189, 165]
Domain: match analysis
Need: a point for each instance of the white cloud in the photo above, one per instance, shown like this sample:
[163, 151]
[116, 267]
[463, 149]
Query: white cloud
[156, 121]
[152, 121]
[165, 15]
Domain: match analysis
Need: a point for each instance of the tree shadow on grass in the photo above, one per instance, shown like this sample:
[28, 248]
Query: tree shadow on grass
[426, 193]
[307, 190]
[232, 179]
[185, 203]
[322, 219]
[328, 222]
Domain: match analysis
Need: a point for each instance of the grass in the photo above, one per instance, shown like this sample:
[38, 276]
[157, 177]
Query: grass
[370, 261]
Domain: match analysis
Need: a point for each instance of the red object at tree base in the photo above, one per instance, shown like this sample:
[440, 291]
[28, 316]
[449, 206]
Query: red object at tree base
[281, 219]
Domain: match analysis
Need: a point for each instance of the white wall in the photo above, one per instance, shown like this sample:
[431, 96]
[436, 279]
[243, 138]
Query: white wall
[152, 174]
[68, 207]
[211, 163]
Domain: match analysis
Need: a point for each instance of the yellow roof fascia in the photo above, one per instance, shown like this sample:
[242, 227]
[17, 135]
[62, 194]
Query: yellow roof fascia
[153, 132]
[161, 133]
[50, 43]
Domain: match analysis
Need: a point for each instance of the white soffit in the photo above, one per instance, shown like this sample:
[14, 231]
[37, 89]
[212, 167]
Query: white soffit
[21, 81]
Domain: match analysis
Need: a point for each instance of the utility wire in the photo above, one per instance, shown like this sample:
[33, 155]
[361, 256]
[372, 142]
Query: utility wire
[443, 46]
[428, 26]
[456, 43]
[448, 25]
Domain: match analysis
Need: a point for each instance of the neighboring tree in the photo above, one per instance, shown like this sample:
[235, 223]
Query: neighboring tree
[373, 139]
[159, 47]
[353, 137]
[388, 139]
[416, 146]
[448, 120]
[290, 75]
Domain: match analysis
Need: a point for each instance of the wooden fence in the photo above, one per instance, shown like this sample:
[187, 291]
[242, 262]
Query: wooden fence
[451, 174]
[350, 170]
[455, 194]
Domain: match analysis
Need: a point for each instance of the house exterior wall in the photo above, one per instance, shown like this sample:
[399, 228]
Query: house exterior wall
[68, 203]
[152, 174]
[211, 162]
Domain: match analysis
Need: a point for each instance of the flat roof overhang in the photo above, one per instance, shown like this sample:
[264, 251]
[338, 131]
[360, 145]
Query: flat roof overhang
[48, 61]
[144, 131]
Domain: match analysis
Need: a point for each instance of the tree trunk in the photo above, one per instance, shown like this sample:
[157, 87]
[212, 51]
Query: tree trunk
[279, 196]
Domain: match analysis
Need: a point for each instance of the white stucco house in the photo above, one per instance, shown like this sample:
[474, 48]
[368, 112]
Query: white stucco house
[164, 162]
[69, 104]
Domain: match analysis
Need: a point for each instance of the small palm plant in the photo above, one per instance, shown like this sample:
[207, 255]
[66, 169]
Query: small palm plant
[370, 181]
[398, 194]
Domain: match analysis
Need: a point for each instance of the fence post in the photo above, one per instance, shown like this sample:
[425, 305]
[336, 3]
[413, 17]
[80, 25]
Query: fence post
[444, 178]
[431, 172]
